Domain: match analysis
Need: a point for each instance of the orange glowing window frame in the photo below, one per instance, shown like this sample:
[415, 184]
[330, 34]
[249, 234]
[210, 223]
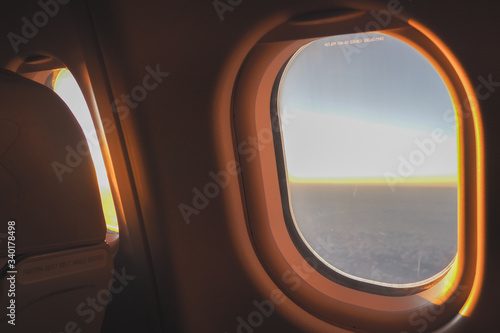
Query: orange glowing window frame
[457, 292]
[417, 181]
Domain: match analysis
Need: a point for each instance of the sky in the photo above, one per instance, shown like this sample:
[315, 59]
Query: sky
[358, 111]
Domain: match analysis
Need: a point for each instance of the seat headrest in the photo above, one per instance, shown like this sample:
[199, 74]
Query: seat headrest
[48, 184]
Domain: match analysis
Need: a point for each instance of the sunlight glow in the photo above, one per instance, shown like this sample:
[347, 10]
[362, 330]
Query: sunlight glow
[65, 85]
[328, 146]
[475, 293]
[367, 115]
[371, 152]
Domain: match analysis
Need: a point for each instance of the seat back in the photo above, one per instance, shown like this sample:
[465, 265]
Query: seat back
[57, 228]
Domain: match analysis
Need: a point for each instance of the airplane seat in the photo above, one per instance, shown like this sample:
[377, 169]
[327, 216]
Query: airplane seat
[50, 216]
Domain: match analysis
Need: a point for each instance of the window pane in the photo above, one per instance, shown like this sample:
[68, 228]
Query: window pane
[369, 141]
[65, 85]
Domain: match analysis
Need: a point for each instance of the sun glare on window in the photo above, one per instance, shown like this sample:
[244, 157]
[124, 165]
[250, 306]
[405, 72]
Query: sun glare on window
[369, 140]
[65, 85]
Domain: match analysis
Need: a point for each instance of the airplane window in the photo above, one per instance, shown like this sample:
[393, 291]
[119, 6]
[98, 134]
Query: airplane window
[369, 147]
[65, 85]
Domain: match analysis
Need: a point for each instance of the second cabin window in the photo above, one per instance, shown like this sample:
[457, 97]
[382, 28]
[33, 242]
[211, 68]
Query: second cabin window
[65, 85]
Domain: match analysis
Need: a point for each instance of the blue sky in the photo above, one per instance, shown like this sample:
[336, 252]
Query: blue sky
[351, 114]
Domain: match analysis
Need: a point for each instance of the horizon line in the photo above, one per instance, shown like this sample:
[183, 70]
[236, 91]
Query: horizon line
[413, 181]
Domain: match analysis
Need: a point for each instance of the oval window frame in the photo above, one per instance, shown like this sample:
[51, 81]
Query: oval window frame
[328, 269]
[319, 295]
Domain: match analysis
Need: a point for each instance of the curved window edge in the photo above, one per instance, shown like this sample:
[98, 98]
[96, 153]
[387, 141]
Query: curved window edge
[277, 253]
